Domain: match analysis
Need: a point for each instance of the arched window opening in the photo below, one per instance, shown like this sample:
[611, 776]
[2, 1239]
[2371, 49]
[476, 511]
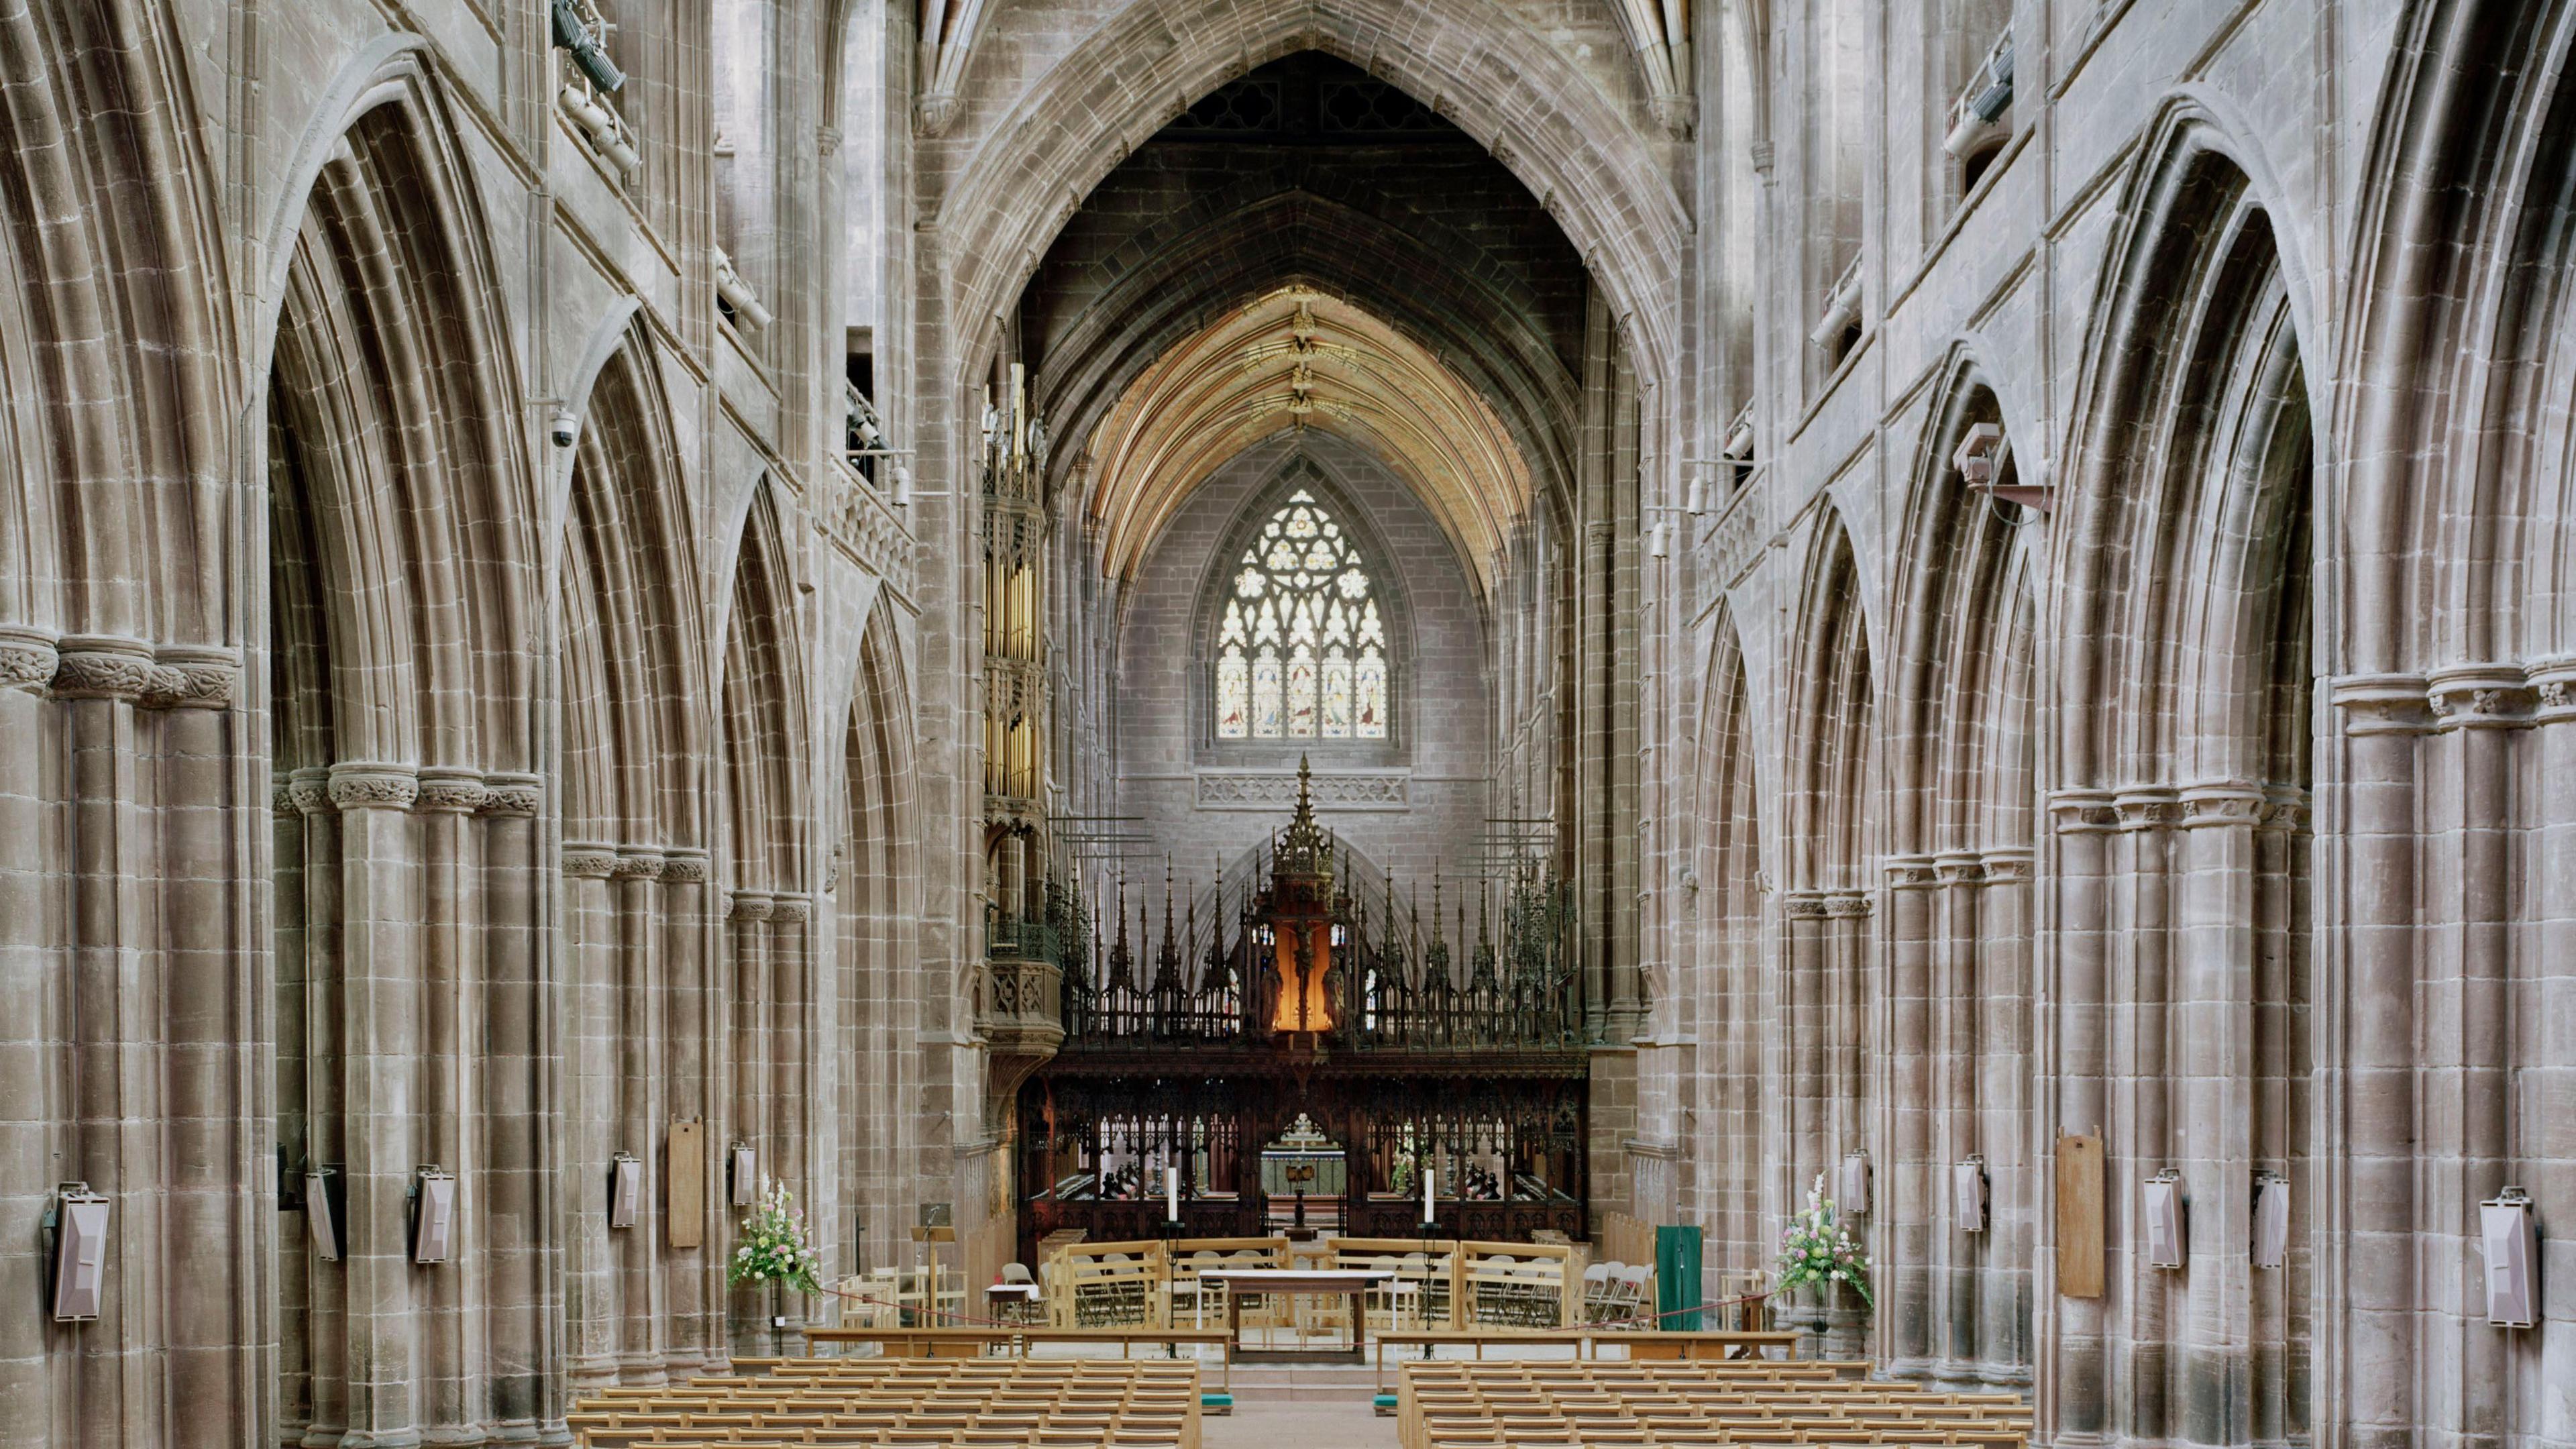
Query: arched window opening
[1301, 651]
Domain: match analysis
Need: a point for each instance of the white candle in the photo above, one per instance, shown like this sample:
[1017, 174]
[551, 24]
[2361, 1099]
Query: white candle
[1172, 1193]
[1428, 1174]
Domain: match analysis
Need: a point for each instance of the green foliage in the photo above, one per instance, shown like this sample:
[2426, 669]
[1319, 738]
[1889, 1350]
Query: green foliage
[1814, 1248]
[773, 1248]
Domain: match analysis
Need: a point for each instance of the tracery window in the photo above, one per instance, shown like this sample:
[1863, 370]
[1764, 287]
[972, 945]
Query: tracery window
[1301, 652]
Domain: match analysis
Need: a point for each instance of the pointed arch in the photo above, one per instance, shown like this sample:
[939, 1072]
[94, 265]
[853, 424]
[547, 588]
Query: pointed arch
[875, 892]
[2463, 344]
[762, 701]
[1729, 999]
[382, 385]
[633, 667]
[1504, 84]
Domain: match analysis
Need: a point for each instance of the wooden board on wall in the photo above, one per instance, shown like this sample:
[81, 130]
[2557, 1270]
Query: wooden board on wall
[686, 1172]
[2079, 1216]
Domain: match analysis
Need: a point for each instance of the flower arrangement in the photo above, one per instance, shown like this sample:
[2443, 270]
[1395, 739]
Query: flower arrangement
[773, 1248]
[1814, 1248]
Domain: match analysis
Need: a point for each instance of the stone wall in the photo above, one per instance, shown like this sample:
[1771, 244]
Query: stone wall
[1414, 805]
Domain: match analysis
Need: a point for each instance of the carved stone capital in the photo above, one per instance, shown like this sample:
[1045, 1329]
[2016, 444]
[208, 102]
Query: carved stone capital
[2080, 811]
[1910, 872]
[2479, 696]
[1677, 112]
[27, 659]
[89, 668]
[1805, 905]
[1847, 905]
[508, 794]
[934, 113]
[2008, 867]
[790, 913]
[2218, 803]
[309, 790]
[193, 678]
[589, 860]
[2382, 704]
[2147, 807]
[2553, 692]
[452, 792]
[374, 787]
[748, 906]
[685, 867]
[2285, 808]
[637, 865]
[1960, 868]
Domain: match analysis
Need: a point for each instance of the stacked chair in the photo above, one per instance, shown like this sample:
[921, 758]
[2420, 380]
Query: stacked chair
[916, 1403]
[1483, 1405]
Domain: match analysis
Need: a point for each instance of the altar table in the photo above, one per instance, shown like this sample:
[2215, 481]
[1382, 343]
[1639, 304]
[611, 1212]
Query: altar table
[1352, 1282]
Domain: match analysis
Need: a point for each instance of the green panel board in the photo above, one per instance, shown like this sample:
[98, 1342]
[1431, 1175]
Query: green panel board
[1677, 1279]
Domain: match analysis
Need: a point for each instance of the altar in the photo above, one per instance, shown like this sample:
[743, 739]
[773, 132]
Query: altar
[1354, 1283]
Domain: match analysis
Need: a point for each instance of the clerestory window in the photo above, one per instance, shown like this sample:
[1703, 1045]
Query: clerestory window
[1301, 650]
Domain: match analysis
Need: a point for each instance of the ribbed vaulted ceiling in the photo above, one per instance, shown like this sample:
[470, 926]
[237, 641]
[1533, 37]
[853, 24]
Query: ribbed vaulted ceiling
[1298, 357]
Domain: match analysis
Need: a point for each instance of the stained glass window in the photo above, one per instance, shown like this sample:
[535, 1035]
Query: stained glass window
[1301, 650]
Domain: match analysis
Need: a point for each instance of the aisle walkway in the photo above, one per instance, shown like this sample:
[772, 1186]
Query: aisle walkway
[1300, 1406]
[1286, 1424]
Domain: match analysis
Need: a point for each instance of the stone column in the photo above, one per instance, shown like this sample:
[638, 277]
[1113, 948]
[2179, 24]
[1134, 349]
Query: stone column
[1905, 1207]
[690, 1059]
[2138, 1143]
[2469, 818]
[791, 1012]
[111, 1083]
[1848, 1026]
[290, 944]
[1802, 1030]
[512, 1204]
[2284, 1300]
[2211, 1022]
[591, 1134]
[220, 1216]
[2377, 1103]
[641, 1126]
[450, 1325]
[749, 987]
[2074, 1392]
[381, 958]
[2004, 1103]
[1957, 1048]
[320, 1070]
[30, 1047]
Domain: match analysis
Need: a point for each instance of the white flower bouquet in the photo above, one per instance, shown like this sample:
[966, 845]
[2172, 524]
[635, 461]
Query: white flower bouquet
[1814, 1248]
[773, 1248]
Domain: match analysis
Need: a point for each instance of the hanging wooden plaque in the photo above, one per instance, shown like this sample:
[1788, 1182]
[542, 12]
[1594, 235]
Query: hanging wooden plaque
[686, 1173]
[2079, 1216]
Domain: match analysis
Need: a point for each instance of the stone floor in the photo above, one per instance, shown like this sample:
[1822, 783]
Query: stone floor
[1298, 1424]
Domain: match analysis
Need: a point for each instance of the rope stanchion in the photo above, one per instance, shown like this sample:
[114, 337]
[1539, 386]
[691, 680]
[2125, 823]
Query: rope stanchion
[1658, 1317]
[966, 1320]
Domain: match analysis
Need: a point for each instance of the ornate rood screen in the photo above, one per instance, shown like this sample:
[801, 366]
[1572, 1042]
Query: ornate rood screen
[1319, 1019]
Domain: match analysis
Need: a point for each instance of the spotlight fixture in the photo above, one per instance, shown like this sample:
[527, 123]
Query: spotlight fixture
[2167, 1221]
[78, 1222]
[2513, 1259]
[625, 1189]
[1854, 1190]
[2271, 1220]
[1968, 1192]
[326, 1208]
[433, 1214]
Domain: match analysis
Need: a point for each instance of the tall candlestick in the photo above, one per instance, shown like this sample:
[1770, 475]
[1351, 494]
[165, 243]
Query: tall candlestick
[1172, 1193]
[1429, 1174]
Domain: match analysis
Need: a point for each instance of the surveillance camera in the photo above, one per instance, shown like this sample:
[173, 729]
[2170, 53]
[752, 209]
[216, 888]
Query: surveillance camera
[564, 430]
